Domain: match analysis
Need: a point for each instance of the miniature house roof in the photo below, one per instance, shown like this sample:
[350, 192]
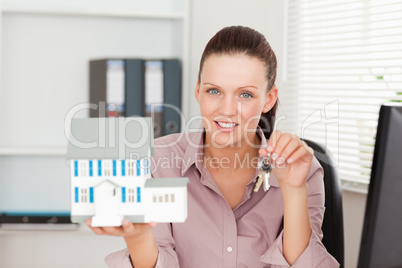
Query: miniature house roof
[110, 138]
[166, 182]
[108, 182]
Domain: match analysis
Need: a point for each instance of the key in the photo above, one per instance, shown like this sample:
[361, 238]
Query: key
[258, 183]
[265, 171]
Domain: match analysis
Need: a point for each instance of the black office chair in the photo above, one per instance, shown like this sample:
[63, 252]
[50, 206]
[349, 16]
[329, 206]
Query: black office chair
[332, 226]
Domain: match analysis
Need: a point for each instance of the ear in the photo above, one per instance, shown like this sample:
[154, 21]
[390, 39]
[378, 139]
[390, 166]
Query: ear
[197, 91]
[270, 99]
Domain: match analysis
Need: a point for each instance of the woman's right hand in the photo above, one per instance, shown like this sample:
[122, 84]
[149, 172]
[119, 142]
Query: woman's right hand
[128, 230]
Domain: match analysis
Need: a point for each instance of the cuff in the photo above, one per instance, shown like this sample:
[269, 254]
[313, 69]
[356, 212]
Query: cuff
[166, 258]
[315, 255]
[119, 259]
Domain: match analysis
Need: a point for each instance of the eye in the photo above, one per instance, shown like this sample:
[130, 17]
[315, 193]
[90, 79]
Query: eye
[213, 91]
[246, 95]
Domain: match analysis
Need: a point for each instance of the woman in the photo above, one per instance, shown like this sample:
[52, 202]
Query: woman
[231, 221]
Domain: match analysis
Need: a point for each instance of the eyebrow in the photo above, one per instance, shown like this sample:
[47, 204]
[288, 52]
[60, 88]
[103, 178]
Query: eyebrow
[238, 88]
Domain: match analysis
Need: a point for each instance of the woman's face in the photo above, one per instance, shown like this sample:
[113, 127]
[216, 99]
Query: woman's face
[232, 93]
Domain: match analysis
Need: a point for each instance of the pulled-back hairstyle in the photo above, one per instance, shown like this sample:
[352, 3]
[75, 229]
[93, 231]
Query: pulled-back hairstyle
[243, 40]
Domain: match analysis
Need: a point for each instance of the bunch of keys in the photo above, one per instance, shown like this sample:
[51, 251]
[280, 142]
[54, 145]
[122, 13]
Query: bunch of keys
[265, 171]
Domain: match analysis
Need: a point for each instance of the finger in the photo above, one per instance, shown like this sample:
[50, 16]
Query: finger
[127, 226]
[302, 151]
[263, 152]
[115, 231]
[290, 148]
[273, 140]
[98, 230]
[281, 145]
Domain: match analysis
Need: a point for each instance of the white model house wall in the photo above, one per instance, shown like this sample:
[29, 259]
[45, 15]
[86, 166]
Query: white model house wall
[130, 175]
[166, 204]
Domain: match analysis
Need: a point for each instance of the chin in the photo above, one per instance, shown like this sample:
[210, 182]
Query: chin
[226, 140]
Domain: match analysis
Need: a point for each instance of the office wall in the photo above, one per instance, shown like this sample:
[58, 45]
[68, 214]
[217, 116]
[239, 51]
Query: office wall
[61, 249]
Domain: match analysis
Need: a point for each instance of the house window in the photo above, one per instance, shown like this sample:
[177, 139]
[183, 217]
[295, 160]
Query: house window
[84, 195]
[163, 198]
[130, 167]
[106, 168]
[131, 195]
[83, 168]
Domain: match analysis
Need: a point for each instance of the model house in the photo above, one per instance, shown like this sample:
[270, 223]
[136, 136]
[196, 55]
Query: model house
[110, 162]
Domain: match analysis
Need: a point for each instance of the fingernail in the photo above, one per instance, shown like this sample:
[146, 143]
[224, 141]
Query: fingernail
[270, 148]
[280, 160]
[274, 156]
[290, 160]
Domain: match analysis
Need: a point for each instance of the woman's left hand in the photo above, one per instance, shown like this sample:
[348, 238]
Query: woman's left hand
[291, 158]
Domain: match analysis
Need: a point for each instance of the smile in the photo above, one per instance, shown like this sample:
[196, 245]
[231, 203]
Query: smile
[226, 125]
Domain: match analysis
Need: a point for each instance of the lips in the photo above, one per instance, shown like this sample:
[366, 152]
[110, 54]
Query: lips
[226, 126]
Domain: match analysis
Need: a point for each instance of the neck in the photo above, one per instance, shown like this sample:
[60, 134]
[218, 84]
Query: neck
[231, 158]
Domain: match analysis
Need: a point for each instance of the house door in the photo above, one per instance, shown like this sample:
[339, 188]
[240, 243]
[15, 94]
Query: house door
[107, 205]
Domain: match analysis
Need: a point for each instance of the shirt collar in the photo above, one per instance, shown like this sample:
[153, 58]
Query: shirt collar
[194, 153]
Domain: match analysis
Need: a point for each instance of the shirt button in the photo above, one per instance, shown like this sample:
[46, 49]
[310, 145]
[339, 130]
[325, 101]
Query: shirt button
[229, 249]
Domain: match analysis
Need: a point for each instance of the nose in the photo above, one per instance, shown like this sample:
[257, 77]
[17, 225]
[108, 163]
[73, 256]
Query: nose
[228, 106]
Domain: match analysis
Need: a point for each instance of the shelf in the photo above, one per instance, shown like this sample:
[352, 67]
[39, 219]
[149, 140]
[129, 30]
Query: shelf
[102, 12]
[9, 229]
[16, 151]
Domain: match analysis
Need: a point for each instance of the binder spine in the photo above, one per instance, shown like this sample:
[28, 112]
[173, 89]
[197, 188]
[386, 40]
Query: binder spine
[97, 86]
[172, 96]
[134, 88]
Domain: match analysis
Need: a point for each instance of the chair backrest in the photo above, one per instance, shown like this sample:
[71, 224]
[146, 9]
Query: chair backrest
[332, 226]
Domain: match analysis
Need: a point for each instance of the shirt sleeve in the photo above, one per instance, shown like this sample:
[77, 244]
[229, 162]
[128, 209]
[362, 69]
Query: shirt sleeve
[167, 257]
[315, 255]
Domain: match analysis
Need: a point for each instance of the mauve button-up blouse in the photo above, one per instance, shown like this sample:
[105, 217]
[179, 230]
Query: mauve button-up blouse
[214, 235]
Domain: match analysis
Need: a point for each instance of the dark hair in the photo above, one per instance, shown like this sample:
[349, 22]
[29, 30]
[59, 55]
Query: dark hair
[240, 39]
